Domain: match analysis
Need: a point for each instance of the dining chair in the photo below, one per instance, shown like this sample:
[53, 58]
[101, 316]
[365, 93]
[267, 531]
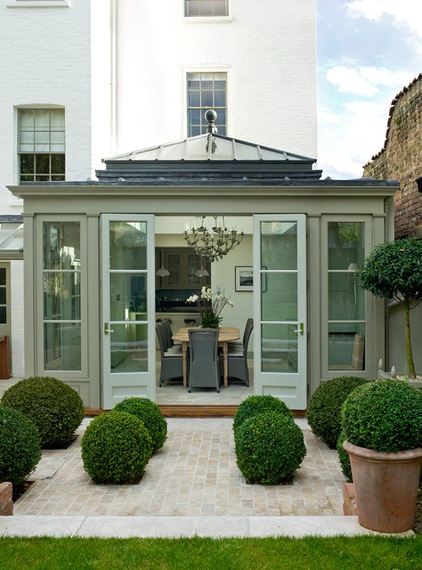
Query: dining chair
[171, 345]
[171, 362]
[239, 344]
[238, 357]
[203, 359]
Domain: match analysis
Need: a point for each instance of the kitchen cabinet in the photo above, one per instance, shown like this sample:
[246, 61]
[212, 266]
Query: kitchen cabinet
[182, 263]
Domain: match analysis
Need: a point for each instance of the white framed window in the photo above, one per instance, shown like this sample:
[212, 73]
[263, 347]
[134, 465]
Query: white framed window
[346, 302]
[61, 295]
[41, 145]
[206, 8]
[206, 90]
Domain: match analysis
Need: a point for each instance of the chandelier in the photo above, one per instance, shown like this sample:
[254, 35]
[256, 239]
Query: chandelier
[212, 243]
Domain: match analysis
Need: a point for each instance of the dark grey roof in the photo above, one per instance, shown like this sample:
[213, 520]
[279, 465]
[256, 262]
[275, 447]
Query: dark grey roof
[210, 156]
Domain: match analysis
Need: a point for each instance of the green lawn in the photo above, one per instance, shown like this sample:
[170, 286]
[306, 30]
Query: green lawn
[338, 553]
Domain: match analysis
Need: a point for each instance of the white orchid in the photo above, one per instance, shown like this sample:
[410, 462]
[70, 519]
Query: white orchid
[217, 300]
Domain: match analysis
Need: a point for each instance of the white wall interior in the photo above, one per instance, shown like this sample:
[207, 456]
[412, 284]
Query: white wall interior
[169, 233]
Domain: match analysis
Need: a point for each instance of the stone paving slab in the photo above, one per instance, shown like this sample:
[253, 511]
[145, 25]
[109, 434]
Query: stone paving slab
[177, 527]
[193, 475]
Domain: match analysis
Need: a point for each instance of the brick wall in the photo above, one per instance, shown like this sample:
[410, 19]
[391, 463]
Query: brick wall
[401, 158]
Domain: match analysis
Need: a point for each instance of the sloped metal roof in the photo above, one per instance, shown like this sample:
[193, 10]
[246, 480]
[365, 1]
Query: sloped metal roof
[208, 158]
[210, 147]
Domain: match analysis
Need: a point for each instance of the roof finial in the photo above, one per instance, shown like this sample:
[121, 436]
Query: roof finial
[211, 116]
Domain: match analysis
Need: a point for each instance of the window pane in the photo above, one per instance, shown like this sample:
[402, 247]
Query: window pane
[26, 119]
[61, 244]
[194, 117]
[279, 300]
[42, 119]
[346, 299]
[2, 295]
[62, 346]
[279, 348]
[3, 317]
[194, 131]
[27, 141]
[58, 163]
[128, 243]
[346, 346]
[27, 162]
[194, 99]
[2, 276]
[62, 293]
[346, 245]
[128, 294]
[279, 245]
[129, 348]
[42, 163]
[207, 99]
[57, 119]
[220, 100]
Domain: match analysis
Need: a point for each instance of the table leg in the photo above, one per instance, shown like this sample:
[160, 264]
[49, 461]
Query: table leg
[185, 363]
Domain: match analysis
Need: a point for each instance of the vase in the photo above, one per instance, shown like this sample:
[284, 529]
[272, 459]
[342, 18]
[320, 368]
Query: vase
[386, 487]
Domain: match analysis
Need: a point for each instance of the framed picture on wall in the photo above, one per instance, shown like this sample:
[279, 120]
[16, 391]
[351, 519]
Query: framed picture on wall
[243, 278]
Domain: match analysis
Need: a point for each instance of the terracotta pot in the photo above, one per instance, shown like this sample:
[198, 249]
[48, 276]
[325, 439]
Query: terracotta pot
[386, 487]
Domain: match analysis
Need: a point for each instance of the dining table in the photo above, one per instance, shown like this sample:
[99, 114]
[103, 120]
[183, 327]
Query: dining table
[225, 335]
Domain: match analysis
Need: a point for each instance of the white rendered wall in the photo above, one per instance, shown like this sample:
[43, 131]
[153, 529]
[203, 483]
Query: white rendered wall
[268, 50]
[45, 61]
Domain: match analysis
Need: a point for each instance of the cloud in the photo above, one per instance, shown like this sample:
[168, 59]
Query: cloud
[404, 13]
[365, 81]
[349, 139]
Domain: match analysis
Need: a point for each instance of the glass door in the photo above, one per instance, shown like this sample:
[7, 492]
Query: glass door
[280, 308]
[128, 308]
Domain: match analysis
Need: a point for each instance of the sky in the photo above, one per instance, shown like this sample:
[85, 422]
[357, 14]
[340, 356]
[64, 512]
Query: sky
[368, 50]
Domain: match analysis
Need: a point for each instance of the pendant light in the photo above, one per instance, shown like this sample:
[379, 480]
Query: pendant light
[162, 272]
[202, 272]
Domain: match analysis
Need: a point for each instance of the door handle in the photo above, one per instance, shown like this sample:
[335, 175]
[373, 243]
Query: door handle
[300, 330]
[106, 329]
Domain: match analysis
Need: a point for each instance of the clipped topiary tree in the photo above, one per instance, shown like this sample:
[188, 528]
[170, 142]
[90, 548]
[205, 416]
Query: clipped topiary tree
[253, 405]
[147, 411]
[382, 423]
[55, 408]
[393, 270]
[116, 448]
[384, 415]
[324, 408]
[269, 448]
[20, 446]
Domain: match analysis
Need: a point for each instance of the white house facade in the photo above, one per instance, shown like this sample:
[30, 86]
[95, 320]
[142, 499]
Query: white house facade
[89, 79]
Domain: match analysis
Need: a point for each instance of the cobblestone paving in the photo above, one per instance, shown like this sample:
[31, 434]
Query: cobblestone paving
[194, 474]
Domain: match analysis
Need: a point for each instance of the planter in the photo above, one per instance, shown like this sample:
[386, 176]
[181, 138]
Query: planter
[386, 486]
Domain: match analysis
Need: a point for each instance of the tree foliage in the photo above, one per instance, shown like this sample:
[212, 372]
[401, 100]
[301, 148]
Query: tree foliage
[393, 270]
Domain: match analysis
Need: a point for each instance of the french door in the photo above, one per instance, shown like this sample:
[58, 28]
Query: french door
[128, 308]
[280, 331]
